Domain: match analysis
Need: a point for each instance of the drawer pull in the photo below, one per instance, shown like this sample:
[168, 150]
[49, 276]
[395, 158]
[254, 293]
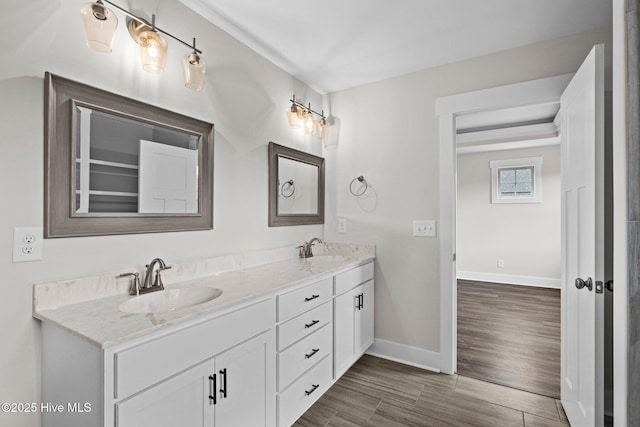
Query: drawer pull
[212, 388]
[223, 390]
[310, 355]
[308, 325]
[308, 392]
[311, 298]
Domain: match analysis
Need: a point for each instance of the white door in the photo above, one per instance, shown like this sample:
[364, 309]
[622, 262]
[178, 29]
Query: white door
[364, 319]
[246, 384]
[179, 401]
[582, 136]
[167, 179]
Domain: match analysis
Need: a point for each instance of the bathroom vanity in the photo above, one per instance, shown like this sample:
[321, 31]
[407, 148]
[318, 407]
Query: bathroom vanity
[279, 334]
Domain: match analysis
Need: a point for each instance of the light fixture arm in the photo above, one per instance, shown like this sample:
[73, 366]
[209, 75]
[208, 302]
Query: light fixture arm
[294, 102]
[152, 25]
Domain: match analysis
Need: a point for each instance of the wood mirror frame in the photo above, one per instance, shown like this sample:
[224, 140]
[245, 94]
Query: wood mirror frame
[277, 219]
[61, 219]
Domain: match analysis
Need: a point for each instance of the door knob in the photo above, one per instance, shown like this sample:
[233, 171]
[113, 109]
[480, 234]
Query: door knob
[584, 283]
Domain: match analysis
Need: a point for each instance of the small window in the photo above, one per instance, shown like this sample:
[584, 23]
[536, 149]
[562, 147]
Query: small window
[516, 180]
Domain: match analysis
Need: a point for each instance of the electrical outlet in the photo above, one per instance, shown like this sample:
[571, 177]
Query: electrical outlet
[342, 225]
[500, 263]
[424, 228]
[27, 244]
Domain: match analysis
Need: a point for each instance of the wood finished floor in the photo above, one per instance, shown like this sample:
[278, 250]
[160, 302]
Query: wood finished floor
[378, 392]
[510, 335]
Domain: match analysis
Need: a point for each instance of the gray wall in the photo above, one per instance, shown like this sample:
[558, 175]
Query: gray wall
[525, 235]
[389, 133]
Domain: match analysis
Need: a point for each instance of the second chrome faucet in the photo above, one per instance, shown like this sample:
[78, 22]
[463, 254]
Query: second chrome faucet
[150, 282]
[305, 248]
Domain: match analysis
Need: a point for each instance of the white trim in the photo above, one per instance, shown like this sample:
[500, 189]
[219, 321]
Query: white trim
[512, 133]
[511, 145]
[511, 279]
[406, 354]
[448, 292]
[620, 238]
[540, 91]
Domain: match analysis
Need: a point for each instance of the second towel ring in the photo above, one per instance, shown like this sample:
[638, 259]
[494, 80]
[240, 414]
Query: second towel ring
[288, 187]
[362, 181]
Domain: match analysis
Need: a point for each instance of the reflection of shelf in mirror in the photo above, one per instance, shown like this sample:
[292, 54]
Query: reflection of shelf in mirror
[109, 193]
[114, 164]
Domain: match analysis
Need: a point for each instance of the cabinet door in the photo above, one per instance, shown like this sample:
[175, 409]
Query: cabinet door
[364, 319]
[182, 400]
[344, 330]
[246, 383]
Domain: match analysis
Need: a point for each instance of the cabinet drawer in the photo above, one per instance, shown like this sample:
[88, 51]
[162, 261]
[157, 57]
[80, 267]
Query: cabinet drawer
[303, 299]
[299, 327]
[150, 362]
[303, 393]
[303, 355]
[352, 278]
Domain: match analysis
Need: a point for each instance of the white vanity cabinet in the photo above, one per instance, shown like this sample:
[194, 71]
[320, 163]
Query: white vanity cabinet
[353, 316]
[216, 372]
[228, 390]
[305, 348]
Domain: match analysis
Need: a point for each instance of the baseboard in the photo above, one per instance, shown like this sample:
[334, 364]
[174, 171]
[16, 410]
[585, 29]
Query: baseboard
[510, 279]
[408, 355]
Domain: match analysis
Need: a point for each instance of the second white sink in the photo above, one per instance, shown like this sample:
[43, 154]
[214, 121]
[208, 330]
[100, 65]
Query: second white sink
[169, 299]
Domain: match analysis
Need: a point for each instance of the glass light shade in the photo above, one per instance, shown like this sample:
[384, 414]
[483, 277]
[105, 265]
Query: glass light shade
[100, 25]
[194, 68]
[153, 51]
[293, 117]
[309, 123]
[323, 129]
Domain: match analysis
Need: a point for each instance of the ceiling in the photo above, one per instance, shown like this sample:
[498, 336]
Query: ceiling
[337, 44]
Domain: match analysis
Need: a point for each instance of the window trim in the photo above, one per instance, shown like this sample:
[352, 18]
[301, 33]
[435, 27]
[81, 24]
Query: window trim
[496, 165]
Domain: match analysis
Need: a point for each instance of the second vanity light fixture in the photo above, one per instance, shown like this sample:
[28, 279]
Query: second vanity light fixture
[100, 24]
[300, 116]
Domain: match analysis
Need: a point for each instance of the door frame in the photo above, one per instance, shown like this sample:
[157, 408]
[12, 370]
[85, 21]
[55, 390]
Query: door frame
[534, 92]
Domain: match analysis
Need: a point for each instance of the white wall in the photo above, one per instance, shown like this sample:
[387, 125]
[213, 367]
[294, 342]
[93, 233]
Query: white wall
[245, 97]
[526, 236]
[389, 133]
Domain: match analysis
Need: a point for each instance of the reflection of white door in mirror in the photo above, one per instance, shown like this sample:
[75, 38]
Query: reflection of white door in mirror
[168, 179]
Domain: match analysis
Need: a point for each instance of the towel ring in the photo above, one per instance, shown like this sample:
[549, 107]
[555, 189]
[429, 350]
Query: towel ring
[288, 189]
[361, 180]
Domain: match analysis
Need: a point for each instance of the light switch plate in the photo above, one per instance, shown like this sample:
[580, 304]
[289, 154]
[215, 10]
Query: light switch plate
[424, 228]
[342, 225]
[27, 244]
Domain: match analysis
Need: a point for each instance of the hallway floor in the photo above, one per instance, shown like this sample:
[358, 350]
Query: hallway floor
[510, 335]
[379, 392]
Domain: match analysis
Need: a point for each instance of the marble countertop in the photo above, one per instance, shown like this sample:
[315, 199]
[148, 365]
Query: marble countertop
[100, 322]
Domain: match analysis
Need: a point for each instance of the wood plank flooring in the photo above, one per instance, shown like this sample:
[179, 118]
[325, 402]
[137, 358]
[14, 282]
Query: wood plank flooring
[510, 335]
[379, 392]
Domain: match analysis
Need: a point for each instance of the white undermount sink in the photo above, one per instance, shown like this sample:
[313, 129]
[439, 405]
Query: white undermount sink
[169, 299]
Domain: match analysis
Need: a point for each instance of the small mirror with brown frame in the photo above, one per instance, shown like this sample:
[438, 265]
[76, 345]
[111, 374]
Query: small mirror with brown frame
[115, 165]
[296, 187]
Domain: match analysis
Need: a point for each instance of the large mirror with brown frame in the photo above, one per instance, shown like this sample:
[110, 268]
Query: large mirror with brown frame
[296, 187]
[115, 165]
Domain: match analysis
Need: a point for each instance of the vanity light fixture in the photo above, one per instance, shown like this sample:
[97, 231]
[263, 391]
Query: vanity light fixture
[300, 116]
[100, 24]
[194, 68]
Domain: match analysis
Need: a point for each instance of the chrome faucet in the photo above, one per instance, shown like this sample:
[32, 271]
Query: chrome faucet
[149, 283]
[305, 249]
[156, 285]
